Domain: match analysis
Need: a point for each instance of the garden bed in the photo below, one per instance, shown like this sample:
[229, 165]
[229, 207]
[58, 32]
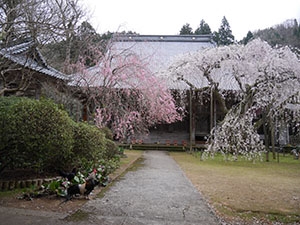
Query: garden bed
[54, 203]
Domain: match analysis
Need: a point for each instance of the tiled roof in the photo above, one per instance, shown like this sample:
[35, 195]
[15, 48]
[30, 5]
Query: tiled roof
[163, 38]
[20, 54]
[160, 50]
[156, 51]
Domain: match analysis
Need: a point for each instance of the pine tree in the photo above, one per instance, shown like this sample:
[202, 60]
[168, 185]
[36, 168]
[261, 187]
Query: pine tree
[216, 37]
[203, 28]
[296, 28]
[246, 39]
[186, 29]
[225, 36]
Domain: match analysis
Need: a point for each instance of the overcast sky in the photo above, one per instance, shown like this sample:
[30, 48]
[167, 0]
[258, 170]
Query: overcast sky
[168, 16]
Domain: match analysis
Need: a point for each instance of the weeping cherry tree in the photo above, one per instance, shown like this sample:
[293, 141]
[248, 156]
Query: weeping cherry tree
[266, 82]
[124, 94]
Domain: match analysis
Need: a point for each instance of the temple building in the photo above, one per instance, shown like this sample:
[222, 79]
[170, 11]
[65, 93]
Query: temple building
[24, 71]
[159, 51]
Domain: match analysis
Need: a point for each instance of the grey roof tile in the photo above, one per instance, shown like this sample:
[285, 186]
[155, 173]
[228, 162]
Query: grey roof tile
[18, 54]
[157, 51]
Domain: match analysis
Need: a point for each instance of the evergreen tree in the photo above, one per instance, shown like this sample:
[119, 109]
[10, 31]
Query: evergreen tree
[186, 29]
[216, 37]
[203, 28]
[246, 39]
[286, 33]
[296, 28]
[225, 36]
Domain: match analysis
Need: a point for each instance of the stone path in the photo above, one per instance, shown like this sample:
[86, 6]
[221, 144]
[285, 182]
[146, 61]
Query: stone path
[156, 193]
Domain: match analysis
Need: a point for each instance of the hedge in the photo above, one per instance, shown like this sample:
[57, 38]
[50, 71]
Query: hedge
[89, 144]
[35, 134]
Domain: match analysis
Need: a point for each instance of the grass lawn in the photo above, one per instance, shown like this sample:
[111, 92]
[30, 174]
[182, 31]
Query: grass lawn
[131, 155]
[265, 190]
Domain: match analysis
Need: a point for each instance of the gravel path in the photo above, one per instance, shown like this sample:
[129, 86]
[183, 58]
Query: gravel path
[156, 193]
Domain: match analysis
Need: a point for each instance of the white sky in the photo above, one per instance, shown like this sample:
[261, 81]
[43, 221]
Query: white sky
[166, 17]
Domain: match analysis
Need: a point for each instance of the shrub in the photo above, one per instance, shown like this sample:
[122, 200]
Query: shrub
[89, 145]
[40, 135]
[108, 133]
[111, 149]
[35, 134]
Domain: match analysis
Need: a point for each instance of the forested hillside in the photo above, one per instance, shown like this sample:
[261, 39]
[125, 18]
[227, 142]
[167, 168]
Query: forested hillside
[286, 33]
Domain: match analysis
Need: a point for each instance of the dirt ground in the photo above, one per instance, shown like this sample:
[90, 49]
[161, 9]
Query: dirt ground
[56, 204]
[51, 203]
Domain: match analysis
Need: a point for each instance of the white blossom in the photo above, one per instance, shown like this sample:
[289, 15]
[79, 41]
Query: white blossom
[266, 81]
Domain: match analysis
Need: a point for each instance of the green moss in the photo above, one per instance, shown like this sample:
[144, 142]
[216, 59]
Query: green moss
[134, 167]
[137, 165]
[79, 215]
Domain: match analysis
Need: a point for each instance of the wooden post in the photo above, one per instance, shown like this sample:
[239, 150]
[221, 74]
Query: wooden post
[191, 118]
[211, 109]
[1, 87]
[77, 112]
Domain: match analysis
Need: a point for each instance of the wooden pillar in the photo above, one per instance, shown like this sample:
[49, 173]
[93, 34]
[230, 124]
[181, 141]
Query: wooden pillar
[212, 123]
[37, 93]
[84, 113]
[70, 110]
[192, 120]
[1, 87]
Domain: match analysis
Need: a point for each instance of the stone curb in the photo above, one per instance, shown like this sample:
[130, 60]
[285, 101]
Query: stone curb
[115, 177]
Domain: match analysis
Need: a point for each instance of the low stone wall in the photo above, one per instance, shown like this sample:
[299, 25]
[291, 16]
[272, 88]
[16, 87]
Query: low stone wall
[8, 185]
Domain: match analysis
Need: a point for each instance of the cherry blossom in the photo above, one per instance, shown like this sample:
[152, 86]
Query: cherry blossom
[124, 93]
[266, 81]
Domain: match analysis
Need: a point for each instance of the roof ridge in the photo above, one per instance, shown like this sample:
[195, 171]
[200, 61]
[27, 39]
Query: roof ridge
[32, 61]
[162, 38]
[16, 49]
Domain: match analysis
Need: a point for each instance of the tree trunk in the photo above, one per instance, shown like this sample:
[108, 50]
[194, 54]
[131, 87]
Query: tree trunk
[266, 134]
[215, 109]
[273, 139]
[68, 55]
